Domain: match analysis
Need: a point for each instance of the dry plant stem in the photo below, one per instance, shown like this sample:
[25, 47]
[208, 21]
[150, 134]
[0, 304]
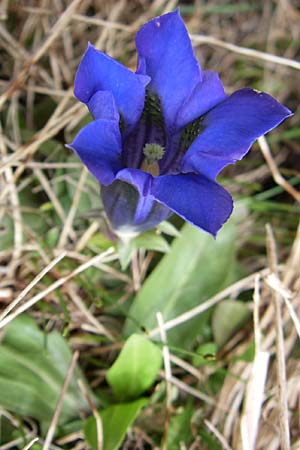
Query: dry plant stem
[29, 434]
[294, 260]
[274, 283]
[280, 352]
[13, 444]
[278, 178]
[68, 224]
[218, 435]
[48, 131]
[31, 285]
[187, 367]
[17, 217]
[235, 398]
[57, 284]
[103, 23]
[136, 279]
[168, 374]
[100, 329]
[30, 444]
[96, 415]
[235, 288]
[256, 382]
[53, 424]
[193, 392]
[53, 35]
[70, 437]
[52, 197]
[249, 52]
[87, 235]
[3, 9]
[46, 165]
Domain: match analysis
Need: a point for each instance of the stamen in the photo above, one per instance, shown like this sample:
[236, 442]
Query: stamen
[153, 152]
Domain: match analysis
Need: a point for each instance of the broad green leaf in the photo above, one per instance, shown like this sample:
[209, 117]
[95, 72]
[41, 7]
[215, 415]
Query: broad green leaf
[196, 268]
[135, 369]
[228, 317]
[116, 420]
[149, 240]
[33, 367]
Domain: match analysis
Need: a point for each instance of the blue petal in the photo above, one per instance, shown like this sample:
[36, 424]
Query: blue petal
[230, 129]
[142, 182]
[129, 204]
[166, 55]
[102, 106]
[200, 201]
[99, 72]
[207, 94]
[98, 145]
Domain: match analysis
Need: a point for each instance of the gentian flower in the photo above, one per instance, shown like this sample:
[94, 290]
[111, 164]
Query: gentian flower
[160, 136]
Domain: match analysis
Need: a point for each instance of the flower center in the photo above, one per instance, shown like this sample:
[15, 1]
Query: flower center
[153, 153]
[144, 147]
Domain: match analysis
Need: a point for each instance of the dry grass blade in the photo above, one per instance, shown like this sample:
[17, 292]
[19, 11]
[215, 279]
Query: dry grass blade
[57, 284]
[53, 35]
[280, 351]
[41, 46]
[94, 322]
[31, 285]
[168, 373]
[256, 383]
[249, 52]
[278, 178]
[30, 444]
[245, 283]
[67, 229]
[98, 420]
[54, 421]
[274, 283]
[218, 435]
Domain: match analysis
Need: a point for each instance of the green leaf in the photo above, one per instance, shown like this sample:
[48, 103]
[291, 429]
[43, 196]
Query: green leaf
[196, 268]
[180, 428]
[228, 317]
[207, 354]
[33, 367]
[149, 240]
[209, 440]
[168, 228]
[116, 420]
[135, 369]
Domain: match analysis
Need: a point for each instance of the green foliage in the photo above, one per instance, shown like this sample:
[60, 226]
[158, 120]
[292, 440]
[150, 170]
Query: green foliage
[6, 233]
[33, 366]
[227, 318]
[135, 369]
[180, 428]
[195, 269]
[116, 420]
[209, 440]
[149, 240]
[168, 228]
[206, 354]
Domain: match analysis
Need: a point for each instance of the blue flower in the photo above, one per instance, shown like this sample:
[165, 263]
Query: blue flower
[160, 136]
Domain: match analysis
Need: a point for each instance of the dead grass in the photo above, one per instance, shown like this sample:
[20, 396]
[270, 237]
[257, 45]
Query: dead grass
[41, 43]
